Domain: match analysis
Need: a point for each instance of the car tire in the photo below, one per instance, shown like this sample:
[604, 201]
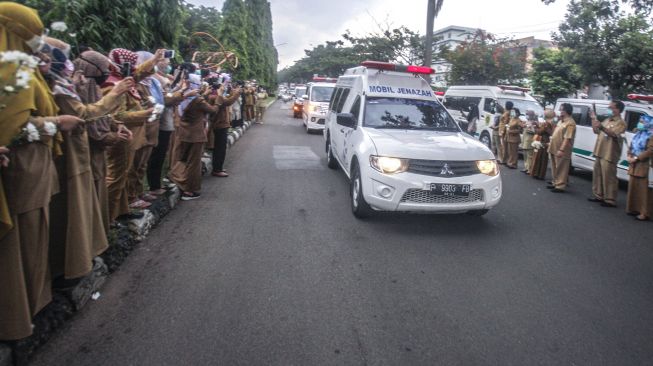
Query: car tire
[478, 213]
[359, 207]
[332, 163]
[486, 140]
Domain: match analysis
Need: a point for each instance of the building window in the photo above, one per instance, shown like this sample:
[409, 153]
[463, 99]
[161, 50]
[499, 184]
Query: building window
[449, 35]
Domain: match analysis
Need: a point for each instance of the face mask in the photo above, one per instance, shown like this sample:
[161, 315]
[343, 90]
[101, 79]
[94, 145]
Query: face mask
[558, 114]
[156, 69]
[513, 114]
[641, 126]
[609, 113]
[99, 80]
[36, 43]
[69, 68]
[168, 69]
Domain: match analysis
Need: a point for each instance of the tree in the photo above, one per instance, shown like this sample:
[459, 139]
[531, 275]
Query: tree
[485, 60]
[198, 19]
[400, 45]
[625, 41]
[554, 75]
[433, 9]
[640, 6]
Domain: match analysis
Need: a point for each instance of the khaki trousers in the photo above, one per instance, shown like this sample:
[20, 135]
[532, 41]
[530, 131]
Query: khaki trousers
[560, 171]
[119, 161]
[528, 159]
[513, 153]
[249, 112]
[99, 167]
[604, 180]
[496, 142]
[260, 111]
[137, 172]
[24, 273]
[640, 196]
[502, 149]
[186, 166]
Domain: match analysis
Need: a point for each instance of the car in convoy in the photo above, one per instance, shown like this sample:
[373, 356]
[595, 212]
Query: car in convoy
[401, 149]
[582, 154]
[299, 94]
[460, 100]
[316, 104]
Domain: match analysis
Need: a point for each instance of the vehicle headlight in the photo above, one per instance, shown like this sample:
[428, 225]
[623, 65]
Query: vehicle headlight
[488, 167]
[388, 165]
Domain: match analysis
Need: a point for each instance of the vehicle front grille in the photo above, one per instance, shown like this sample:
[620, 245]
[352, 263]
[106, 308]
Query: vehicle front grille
[436, 168]
[423, 196]
[320, 121]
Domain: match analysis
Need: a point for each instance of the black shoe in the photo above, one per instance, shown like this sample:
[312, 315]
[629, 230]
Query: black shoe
[607, 204]
[550, 186]
[525, 171]
[594, 199]
[132, 215]
[557, 190]
[190, 197]
[632, 213]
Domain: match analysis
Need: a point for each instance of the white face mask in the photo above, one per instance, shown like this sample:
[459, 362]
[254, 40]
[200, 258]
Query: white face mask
[513, 114]
[36, 43]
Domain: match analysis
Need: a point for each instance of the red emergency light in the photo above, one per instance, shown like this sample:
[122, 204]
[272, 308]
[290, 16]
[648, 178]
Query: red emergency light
[324, 79]
[398, 67]
[642, 97]
[439, 93]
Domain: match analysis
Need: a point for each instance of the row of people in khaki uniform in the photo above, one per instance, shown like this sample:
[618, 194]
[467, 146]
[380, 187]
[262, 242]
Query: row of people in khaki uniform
[558, 142]
[75, 147]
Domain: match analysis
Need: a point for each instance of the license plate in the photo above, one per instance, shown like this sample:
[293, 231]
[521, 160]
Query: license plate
[444, 189]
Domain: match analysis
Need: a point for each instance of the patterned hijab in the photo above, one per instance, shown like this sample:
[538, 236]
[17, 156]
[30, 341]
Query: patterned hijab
[194, 83]
[119, 56]
[640, 140]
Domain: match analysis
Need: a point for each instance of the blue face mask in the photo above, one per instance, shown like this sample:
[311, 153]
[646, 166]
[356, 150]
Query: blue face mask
[168, 69]
[641, 126]
[609, 113]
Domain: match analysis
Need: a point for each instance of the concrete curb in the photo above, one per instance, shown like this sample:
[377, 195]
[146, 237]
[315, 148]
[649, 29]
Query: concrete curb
[122, 239]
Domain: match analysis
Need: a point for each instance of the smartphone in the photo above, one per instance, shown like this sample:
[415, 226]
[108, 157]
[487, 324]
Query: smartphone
[126, 69]
[594, 108]
[169, 54]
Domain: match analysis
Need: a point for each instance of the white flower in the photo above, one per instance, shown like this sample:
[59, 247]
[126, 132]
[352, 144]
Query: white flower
[158, 108]
[9, 89]
[50, 128]
[59, 26]
[72, 34]
[19, 58]
[32, 132]
[23, 78]
[151, 99]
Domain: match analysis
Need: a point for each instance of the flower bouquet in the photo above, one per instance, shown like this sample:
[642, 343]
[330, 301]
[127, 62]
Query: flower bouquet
[25, 65]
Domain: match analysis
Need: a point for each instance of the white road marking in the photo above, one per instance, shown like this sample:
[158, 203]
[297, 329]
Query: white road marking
[295, 158]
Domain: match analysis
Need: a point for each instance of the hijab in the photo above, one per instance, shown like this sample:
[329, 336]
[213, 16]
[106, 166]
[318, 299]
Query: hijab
[95, 67]
[19, 25]
[640, 140]
[119, 56]
[195, 83]
[61, 69]
[151, 82]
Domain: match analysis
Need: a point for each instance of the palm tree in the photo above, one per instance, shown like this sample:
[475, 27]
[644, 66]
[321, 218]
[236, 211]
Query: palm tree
[434, 7]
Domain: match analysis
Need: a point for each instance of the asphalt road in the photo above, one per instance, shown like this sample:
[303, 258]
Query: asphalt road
[269, 267]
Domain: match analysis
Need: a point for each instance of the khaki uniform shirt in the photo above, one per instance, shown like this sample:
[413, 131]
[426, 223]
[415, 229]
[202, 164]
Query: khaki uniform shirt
[565, 130]
[609, 148]
[514, 131]
[261, 99]
[503, 122]
[192, 124]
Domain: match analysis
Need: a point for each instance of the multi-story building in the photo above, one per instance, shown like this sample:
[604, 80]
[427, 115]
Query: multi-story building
[451, 37]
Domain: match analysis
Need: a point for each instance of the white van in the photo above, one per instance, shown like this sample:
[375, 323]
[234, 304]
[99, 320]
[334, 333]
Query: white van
[582, 157]
[459, 99]
[316, 104]
[401, 149]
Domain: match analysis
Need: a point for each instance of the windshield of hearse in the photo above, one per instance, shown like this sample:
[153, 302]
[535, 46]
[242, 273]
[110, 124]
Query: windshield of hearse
[321, 93]
[411, 114]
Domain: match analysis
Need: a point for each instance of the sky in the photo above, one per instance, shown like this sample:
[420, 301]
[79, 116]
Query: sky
[302, 24]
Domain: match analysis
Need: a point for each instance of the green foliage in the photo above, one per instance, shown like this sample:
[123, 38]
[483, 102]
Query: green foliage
[554, 75]
[485, 60]
[611, 47]
[198, 19]
[399, 45]
[640, 6]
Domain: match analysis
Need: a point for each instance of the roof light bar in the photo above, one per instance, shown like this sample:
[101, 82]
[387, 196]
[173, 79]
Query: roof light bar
[642, 97]
[514, 88]
[324, 79]
[397, 67]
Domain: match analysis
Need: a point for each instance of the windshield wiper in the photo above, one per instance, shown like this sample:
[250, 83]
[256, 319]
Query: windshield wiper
[396, 127]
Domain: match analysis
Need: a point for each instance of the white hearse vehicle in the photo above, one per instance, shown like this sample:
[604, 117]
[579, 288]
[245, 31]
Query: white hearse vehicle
[459, 99]
[316, 104]
[401, 149]
[582, 154]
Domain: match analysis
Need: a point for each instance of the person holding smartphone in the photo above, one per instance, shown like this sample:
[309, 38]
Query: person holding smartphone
[607, 152]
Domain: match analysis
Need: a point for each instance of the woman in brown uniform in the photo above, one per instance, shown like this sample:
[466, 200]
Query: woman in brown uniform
[543, 136]
[91, 71]
[186, 165]
[27, 180]
[513, 139]
[133, 115]
[77, 231]
[640, 196]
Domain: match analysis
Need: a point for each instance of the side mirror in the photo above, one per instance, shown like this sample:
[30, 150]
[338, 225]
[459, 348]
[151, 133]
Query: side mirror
[304, 96]
[346, 120]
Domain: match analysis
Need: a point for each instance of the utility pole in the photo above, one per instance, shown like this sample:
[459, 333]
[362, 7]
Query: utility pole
[428, 43]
